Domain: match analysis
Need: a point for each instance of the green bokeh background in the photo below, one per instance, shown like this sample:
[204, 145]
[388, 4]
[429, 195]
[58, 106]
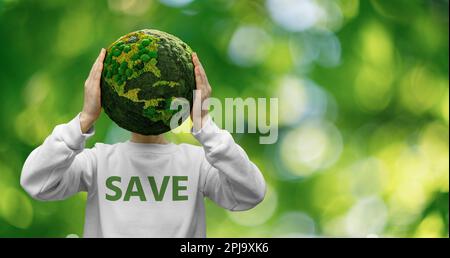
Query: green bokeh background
[363, 106]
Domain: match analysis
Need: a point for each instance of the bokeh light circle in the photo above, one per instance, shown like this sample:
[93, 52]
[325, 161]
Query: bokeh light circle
[294, 224]
[295, 15]
[260, 214]
[313, 146]
[321, 47]
[249, 46]
[299, 99]
[130, 7]
[16, 208]
[368, 216]
[176, 3]
[301, 15]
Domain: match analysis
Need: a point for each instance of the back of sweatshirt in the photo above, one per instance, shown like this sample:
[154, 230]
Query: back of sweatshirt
[144, 190]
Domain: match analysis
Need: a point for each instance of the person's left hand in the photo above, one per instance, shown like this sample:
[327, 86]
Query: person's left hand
[202, 95]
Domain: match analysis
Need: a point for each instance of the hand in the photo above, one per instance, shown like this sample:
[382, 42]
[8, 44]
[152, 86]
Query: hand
[201, 96]
[92, 102]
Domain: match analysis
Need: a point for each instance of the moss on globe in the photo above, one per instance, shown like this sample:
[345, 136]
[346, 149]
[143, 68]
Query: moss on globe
[144, 71]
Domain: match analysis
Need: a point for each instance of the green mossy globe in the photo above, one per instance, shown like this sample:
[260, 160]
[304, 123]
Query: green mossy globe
[144, 71]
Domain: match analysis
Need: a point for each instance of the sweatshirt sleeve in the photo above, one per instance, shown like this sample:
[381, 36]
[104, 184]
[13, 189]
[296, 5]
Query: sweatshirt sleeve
[230, 179]
[60, 167]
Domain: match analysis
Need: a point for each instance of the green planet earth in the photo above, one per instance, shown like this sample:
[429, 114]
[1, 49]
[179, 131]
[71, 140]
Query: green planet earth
[144, 71]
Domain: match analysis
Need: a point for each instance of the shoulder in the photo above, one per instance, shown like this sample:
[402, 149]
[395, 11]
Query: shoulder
[105, 148]
[194, 155]
[194, 152]
[190, 148]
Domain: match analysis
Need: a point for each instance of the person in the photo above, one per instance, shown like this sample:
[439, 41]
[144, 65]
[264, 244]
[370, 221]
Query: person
[146, 186]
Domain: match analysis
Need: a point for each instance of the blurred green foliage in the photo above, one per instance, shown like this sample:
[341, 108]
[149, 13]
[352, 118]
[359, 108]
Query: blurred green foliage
[364, 106]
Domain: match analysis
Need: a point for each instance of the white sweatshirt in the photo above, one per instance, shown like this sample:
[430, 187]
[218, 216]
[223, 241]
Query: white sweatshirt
[144, 190]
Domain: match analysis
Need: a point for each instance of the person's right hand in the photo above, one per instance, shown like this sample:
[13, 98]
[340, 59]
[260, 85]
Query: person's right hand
[92, 102]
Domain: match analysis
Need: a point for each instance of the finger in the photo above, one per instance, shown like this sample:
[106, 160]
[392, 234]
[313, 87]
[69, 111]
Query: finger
[198, 75]
[99, 67]
[202, 70]
[91, 71]
[99, 60]
[195, 59]
[94, 65]
[102, 56]
[198, 64]
[98, 72]
[198, 79]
